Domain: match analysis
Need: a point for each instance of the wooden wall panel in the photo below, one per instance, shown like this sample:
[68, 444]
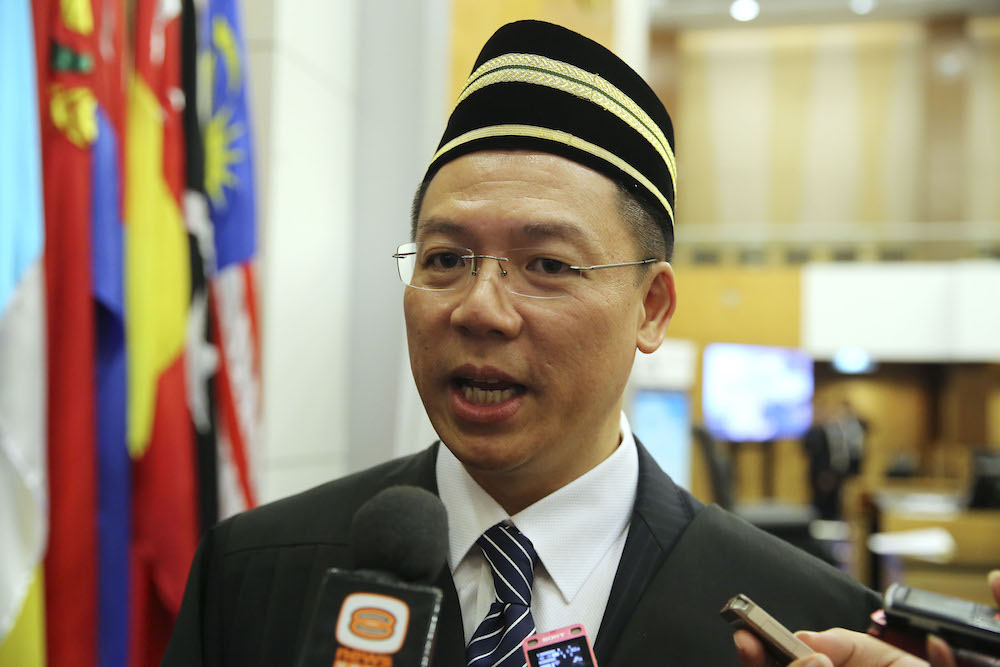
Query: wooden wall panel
[752, 306]
[474, 21]
[898, 403]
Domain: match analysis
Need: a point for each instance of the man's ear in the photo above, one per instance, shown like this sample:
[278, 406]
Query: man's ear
[658, 305]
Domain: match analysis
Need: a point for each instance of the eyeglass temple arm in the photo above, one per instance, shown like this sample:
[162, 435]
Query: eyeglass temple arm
[611, 266]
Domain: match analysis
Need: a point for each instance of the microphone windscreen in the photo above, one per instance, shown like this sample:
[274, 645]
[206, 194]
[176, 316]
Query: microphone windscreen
[402, 530]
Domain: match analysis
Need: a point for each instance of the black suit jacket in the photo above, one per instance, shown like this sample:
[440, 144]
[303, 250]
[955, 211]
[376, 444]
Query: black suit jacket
[254, 578]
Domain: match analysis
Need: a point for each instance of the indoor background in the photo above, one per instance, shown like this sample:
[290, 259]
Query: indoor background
[838, 192]
[838, 231]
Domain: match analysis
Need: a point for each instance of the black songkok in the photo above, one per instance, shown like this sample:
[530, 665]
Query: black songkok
[540, 86]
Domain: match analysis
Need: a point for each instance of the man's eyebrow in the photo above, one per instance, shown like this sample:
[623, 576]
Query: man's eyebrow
[441, 226]
[531, 231]
[564, 231]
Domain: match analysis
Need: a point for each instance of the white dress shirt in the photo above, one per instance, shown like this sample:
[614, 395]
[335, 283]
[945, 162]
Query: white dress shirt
[578, 531]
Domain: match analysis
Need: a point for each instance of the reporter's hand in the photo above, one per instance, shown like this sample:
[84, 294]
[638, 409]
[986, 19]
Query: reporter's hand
[843, 648]
[834, 648]
[994, 580]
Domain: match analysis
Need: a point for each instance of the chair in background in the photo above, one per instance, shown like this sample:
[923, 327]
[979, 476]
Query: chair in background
[720, 466]
[789, 521]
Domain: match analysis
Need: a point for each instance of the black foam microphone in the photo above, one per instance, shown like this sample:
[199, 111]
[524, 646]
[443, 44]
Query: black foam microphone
[383, 613]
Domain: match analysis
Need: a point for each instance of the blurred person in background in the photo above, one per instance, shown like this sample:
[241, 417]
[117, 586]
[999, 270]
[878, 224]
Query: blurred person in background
[835, 447]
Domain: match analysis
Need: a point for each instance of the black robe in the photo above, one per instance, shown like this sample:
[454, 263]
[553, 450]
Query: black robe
[254, 578]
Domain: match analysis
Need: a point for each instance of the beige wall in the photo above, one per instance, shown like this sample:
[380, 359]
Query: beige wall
[982, 122]
[861, 123]
[800, 124]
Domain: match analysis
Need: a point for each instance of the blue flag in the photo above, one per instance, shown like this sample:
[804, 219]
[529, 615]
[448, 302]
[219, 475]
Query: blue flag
[229, 184]
[113, 462]
[21, 227]
[229, 178]
[24, 502]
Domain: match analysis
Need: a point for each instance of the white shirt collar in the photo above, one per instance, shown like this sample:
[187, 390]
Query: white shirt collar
[571, 528]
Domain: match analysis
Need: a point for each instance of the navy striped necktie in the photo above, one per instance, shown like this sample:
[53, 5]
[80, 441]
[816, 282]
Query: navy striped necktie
[497, 641]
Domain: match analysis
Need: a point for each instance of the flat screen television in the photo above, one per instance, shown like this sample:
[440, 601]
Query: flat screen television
[754, 393]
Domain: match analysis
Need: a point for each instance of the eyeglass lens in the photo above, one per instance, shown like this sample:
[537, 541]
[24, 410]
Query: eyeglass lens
[533, 272]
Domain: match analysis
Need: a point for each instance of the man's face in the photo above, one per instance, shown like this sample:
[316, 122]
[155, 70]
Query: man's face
[527, 392]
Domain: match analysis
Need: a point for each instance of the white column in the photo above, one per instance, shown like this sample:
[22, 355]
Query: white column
[302, 58]
[632, 28]
[403, 51]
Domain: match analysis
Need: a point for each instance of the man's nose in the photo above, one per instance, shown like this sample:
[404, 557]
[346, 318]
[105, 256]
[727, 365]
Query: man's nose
[486, 307]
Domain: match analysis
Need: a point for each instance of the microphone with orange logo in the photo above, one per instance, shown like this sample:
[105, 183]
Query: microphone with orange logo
[384, 612]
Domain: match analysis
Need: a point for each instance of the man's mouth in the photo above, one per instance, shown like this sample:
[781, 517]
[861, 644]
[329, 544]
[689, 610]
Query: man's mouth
[487, 392]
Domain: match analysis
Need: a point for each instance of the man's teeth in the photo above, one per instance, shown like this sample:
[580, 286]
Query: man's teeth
[486, 396]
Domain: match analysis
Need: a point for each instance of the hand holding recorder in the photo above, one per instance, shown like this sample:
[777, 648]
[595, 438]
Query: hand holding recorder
[842, 648]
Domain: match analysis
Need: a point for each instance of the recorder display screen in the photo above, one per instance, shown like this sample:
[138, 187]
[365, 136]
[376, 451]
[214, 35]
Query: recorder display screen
[564, 654]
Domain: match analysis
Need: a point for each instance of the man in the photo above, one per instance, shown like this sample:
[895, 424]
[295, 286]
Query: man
[538, 265]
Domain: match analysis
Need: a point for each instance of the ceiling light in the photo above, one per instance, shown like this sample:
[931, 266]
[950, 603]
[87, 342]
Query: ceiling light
[744, 10]
[862, 6]
[950, 64]
[853, 360]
